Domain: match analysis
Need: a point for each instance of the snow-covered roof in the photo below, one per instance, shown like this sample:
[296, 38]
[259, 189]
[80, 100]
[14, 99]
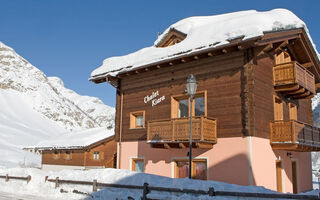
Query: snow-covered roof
[202, 33]
[75, 140]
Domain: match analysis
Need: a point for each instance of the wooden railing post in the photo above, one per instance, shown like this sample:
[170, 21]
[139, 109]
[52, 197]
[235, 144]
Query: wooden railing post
[94, 184]
[7, 177]
[145, 191]
[28, 178]
[57, 182]
[172, 127]
[201, 128]
[211, 192]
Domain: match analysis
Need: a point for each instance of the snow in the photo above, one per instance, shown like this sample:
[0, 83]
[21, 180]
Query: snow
[203, 33]
[38, 187]
[75, 140]
[20, 125]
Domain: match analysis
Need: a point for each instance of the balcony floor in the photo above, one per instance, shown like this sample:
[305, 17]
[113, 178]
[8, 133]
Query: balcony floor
[181, 145]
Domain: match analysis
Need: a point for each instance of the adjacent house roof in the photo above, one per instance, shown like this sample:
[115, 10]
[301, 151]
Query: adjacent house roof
[196, 34]
[78, 140]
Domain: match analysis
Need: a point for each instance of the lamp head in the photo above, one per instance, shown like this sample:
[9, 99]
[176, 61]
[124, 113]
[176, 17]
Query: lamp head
[191, 85]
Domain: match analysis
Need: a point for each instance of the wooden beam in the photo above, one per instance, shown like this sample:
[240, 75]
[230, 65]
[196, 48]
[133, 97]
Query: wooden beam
[181, 145]
[158, 66]
[137, 72]
[307, 64]
[170, 63]
[282, 44]
[204, 145]
[146, 69]
[166, 146]
[196, 57]
[183, 60]
[210, 54]
[224, 51]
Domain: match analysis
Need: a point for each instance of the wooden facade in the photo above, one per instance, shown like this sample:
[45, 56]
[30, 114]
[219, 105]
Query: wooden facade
[240, 80]
[99, 154]
[257, 90]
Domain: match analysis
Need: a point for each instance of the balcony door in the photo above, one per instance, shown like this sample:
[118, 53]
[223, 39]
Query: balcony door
[180, 105]
[278, 109]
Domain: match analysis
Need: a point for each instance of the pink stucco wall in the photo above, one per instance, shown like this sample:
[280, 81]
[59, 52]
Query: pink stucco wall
[264, 166]
[228, 161]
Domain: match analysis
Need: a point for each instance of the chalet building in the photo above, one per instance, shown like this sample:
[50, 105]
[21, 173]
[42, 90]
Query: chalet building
[252, 117]
[93, 148]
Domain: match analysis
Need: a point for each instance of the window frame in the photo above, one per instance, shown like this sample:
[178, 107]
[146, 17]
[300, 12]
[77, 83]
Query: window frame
[133, 119]
[175, 103]
[68, 155]
[56, 155]
[133, 163]
[96, 155]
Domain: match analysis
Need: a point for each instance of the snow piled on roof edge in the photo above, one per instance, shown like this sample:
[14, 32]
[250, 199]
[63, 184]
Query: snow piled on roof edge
[203, 33]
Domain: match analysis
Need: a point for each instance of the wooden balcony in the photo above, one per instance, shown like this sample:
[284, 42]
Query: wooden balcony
[294, 136]
[293, 80]
[174, 133]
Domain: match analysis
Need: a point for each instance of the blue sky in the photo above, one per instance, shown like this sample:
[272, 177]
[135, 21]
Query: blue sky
[70, 38]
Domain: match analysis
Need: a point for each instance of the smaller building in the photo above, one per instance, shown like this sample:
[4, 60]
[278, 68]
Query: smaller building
[93, 148]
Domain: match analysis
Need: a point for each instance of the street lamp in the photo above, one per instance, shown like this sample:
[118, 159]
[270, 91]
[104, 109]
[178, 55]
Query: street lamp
[191, 89]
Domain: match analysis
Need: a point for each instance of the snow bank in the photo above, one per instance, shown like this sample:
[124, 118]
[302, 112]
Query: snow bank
[38, 187]
[20, 126]
[203, 33]
[76, 140]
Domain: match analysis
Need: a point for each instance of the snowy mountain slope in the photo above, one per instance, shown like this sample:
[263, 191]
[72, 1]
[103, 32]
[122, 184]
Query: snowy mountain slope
[20, 125]
[102, 114]
[52, 100]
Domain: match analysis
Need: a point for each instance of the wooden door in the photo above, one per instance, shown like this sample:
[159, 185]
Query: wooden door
[279, 175]
[278, 109]
[294, 177]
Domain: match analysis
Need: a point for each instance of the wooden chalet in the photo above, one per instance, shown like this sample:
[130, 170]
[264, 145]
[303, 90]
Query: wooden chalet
[87, 149]
[252, 116]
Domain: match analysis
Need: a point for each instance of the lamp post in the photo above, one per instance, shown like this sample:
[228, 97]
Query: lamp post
[191, 89]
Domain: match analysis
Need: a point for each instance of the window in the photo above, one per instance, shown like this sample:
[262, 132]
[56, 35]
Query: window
[183, 110]
[56, 155]
[68, 155]
[96, 155]
[137, 119]
[138, 165]
[180, 105]
[199, 169]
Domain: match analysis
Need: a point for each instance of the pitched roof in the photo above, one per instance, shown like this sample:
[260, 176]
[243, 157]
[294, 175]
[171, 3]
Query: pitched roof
[203, 33]
[77, 140]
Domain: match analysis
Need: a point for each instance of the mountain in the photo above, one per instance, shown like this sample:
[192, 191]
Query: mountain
[35, 107]
[48, 95]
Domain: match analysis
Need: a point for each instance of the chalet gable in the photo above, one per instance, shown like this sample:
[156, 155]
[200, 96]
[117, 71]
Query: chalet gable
[172, 37]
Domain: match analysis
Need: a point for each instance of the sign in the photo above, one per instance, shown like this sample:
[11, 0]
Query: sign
[155, 100]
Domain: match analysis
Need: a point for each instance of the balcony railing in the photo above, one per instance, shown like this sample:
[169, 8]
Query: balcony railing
[175, 132]
[293, 80]
[295, 136]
